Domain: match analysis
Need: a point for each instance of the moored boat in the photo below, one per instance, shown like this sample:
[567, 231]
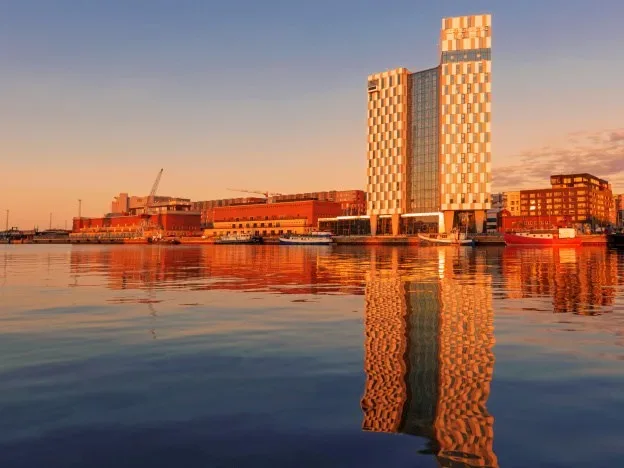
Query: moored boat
[453, 238]
[312, 238]
[238, 239]
[616, 239]
[562, 237]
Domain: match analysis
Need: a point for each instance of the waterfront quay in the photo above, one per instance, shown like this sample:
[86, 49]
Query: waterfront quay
[435, 179]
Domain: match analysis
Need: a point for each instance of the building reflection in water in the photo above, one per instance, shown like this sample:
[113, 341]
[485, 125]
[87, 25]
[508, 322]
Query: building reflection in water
[429, 358]
[236, 268]
[581, 281]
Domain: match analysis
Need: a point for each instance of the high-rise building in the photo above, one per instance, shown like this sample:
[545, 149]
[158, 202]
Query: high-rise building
[429, 145]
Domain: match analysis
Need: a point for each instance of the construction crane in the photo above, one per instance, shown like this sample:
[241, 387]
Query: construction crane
[265, 194]
[150, 198]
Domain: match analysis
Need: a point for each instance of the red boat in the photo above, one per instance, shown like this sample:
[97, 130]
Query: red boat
[564, 237]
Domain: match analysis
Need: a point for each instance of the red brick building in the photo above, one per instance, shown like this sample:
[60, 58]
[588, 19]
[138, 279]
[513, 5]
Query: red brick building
[272, 219]
[572, 198]
[170, 223]
[352, 202]
[207, 207]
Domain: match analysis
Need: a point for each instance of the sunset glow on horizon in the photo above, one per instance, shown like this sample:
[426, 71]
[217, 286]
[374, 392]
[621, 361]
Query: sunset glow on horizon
[97, 98]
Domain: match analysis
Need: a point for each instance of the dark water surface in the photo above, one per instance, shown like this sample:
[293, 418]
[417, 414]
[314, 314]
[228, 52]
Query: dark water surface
[210, 356]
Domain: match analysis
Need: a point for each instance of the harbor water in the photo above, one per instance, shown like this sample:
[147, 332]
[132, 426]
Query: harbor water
[332, 356]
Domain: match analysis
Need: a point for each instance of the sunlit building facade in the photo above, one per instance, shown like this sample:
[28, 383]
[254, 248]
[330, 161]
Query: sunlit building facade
[429, 145]
[572, 199]
[511, 202]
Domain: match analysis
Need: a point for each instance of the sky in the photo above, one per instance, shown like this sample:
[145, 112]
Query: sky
[96, 97]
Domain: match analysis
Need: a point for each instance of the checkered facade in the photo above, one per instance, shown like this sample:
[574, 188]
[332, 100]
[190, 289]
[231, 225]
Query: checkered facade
[465, 113]
[406, 175]
[387, 141]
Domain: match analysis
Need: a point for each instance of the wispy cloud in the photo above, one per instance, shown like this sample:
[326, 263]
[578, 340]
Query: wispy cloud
[598, 153]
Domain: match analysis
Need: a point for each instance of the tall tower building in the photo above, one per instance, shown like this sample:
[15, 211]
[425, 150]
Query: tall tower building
[429, 146]
[387, 144]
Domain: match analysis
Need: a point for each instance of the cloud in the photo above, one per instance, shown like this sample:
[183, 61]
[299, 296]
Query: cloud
[599, 153]
[617, 135]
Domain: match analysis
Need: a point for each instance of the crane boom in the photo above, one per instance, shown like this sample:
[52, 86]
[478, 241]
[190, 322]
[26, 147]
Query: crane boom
[150, 197]
[259, 192]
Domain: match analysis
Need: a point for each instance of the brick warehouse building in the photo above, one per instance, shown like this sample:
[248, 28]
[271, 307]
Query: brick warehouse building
[573, 199]
[179, 223]
[271, 219]
[206, 208]
[352, 202]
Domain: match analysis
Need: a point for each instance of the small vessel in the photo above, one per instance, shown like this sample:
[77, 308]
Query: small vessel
[238, 239]
[312, 238]
[562, 237]
[616, 239]
[453, 238]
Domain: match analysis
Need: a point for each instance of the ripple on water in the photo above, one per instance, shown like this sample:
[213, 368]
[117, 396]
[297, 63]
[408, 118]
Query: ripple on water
[273, 356]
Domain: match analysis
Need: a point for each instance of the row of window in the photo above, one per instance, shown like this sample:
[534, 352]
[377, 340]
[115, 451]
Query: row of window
[463, 78]
[479, 107]
[256, 225]
[467, 199]
[257, 233]
[385, 82]
[377, 100]
[385, 205]
[465, 56]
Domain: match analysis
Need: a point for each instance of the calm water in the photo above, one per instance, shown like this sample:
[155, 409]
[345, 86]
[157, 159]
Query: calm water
[296, 356]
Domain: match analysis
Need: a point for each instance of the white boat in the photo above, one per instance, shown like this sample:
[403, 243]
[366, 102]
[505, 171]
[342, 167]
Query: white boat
[312, 238]
[239, 239]
[454, 238]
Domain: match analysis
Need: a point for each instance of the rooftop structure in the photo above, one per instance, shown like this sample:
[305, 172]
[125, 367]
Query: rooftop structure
[133, 205]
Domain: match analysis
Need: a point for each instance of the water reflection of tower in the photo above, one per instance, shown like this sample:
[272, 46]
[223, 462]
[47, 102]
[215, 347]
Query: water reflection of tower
[429, 358]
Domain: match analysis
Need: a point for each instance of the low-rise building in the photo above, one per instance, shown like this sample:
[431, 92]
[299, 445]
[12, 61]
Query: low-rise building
[573, 200]
[352, 202]
[271, 219]
[172, 223]
[511, 202]
[206, 208]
